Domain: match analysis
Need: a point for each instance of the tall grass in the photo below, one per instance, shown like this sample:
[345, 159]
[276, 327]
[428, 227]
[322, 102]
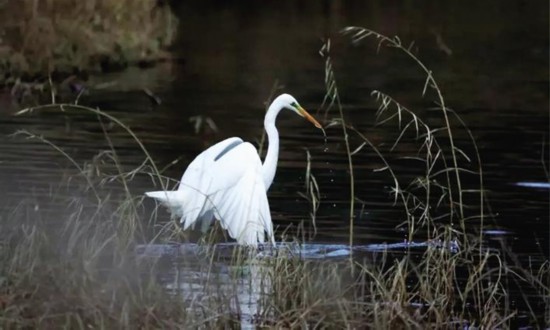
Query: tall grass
[83, 271]
[445, 283]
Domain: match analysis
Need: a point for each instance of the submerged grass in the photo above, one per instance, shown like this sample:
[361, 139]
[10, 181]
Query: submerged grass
[83, 271]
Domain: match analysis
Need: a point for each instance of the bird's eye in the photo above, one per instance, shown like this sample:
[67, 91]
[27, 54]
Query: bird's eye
[294, 105]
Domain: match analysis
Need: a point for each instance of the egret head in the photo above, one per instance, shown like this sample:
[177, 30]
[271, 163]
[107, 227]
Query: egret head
[289, 102]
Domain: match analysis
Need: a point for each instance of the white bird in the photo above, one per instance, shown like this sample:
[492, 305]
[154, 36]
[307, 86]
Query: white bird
[229, 182]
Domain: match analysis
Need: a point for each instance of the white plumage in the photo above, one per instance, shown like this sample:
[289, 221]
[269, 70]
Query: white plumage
[229, 182]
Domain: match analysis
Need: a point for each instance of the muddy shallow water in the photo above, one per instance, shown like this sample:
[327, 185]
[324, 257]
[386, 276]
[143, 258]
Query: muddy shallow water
[493, 71]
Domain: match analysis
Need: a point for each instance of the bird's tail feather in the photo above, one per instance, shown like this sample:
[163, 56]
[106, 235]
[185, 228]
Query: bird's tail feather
[174, 200]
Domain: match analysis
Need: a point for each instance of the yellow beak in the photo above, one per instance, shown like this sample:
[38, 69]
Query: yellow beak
[309, 117]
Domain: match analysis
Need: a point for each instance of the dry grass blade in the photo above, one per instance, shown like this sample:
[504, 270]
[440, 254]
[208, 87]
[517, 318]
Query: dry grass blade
[332, 95]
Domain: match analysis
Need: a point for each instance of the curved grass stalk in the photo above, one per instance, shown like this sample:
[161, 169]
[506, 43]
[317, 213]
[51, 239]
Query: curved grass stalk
[430, 141]
[67, 156]
[482, 200]
[312, 194]
[66, 107]
[334, 97]
[358, 34]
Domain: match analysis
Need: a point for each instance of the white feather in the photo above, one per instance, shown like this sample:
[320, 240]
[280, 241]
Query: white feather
[230, 188]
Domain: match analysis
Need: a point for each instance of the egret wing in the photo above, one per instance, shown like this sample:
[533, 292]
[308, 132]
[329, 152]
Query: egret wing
[196, 183]
[226, 181]
[240, 200]
[201, 164]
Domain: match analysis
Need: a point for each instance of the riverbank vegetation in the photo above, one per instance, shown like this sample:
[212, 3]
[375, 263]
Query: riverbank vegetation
[42, 38]
[83, 271]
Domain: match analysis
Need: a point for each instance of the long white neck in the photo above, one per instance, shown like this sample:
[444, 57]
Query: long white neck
[270, 162]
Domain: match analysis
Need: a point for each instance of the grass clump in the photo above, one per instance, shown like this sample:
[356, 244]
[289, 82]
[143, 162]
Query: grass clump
[459, 278]
[68, 258]
[79, 274]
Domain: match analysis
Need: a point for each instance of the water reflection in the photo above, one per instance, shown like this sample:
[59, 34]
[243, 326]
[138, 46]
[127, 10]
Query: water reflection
[200, 274]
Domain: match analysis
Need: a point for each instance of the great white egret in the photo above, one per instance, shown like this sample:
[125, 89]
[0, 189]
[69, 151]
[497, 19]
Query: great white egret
[229, 182]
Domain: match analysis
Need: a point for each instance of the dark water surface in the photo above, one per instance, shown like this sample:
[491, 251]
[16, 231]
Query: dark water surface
[490, 59]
